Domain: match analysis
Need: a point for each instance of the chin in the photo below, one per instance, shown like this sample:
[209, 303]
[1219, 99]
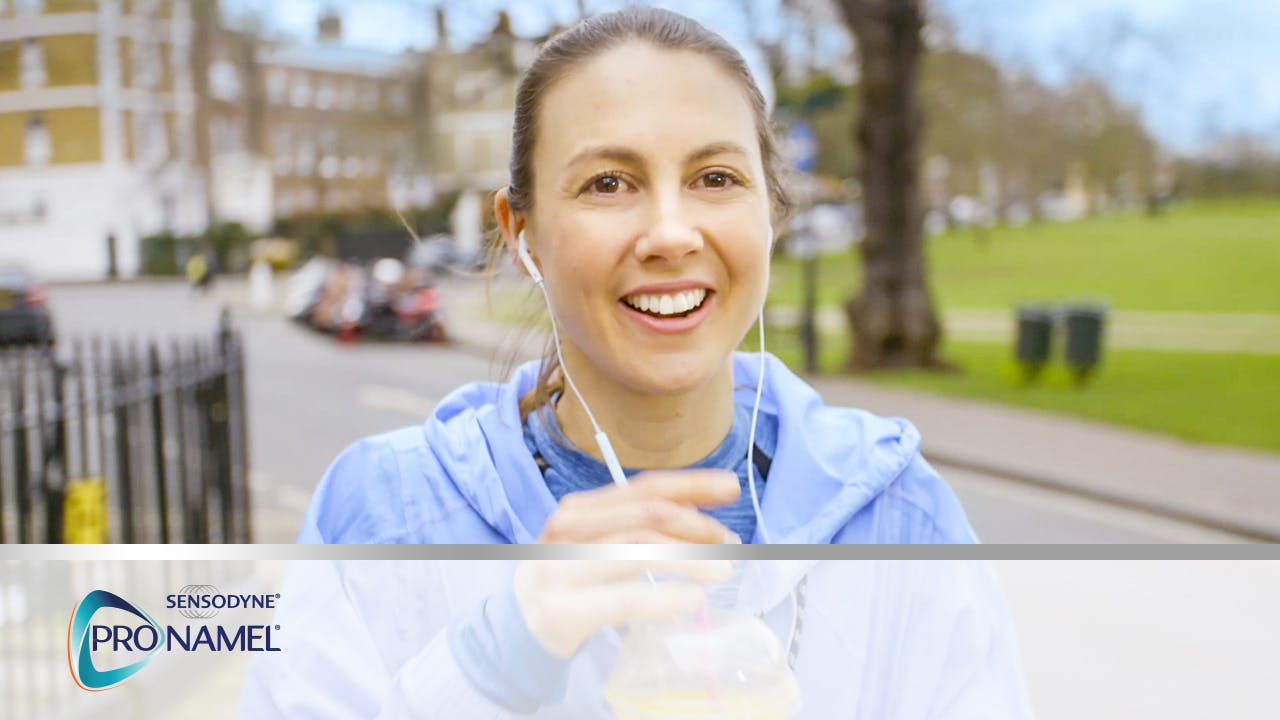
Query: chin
[672, 374]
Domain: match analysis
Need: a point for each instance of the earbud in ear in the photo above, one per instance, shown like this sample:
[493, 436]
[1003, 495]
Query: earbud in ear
[522, 251]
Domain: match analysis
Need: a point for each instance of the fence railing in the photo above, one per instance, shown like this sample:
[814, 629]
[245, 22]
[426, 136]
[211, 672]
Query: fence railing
[119, 442]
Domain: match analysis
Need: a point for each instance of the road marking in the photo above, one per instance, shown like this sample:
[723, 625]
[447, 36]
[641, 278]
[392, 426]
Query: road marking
[384, 397]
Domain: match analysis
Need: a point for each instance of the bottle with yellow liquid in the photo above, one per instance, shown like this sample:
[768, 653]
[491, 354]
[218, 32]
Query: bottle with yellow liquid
[720, 665]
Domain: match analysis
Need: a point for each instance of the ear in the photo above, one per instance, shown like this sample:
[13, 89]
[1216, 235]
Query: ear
[510, 224]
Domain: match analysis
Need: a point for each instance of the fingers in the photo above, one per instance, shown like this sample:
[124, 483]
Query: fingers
[563, 618]
[703, 488]
[657, 507]
[641, 518]
[567, 601]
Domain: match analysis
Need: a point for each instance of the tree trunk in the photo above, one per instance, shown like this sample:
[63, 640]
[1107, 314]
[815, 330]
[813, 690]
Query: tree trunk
[892, 319]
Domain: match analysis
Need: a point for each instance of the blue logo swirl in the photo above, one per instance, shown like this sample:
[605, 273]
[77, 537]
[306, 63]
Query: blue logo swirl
[79, 657]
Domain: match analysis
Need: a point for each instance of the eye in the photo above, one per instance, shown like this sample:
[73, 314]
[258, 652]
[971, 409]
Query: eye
[610, 183]
[718, 179]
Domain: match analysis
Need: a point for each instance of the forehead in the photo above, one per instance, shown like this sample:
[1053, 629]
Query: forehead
[653, 100]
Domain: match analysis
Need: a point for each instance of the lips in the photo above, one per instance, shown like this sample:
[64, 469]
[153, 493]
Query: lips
[670, 307]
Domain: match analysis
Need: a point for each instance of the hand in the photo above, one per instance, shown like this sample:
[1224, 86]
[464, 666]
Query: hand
[656, 507]
[565, 602]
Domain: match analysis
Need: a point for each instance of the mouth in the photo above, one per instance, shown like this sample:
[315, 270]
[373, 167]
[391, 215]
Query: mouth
[668, 305]
[670, 312]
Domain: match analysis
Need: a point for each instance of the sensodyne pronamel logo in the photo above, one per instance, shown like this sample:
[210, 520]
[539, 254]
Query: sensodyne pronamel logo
[83, 638]
[103, 654]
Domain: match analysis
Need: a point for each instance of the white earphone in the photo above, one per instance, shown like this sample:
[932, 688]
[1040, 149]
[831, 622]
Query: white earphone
[522, 252]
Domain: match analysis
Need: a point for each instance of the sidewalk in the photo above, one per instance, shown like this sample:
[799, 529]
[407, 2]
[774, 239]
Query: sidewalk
[1230, 489]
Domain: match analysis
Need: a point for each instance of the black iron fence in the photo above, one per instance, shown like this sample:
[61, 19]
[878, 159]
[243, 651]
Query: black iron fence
[121, 442]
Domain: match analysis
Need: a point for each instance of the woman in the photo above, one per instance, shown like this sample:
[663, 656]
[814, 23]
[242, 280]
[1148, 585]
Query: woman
[643, 190]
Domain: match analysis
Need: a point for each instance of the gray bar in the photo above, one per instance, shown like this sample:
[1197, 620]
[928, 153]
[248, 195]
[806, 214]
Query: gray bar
[640, 552]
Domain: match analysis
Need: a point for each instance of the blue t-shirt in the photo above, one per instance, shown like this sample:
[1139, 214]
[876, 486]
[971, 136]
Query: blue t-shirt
[567, 469]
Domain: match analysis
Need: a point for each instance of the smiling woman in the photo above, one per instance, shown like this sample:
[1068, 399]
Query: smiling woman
[641, 203]
[643, 191]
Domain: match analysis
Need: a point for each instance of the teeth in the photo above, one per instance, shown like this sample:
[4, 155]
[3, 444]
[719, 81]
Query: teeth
[672, 304]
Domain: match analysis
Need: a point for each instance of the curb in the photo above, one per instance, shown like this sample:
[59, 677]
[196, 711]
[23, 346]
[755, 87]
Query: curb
[1252, 532]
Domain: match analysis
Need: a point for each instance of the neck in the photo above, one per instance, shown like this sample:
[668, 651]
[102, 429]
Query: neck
[647, 431]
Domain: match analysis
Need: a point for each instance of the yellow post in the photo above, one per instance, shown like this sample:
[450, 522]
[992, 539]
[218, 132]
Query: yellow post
[84, 511]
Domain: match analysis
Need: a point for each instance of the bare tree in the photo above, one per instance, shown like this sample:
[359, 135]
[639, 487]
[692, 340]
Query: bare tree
[892, 319]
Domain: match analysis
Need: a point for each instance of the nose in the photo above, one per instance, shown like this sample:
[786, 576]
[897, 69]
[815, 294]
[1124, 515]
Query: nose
[670, 237]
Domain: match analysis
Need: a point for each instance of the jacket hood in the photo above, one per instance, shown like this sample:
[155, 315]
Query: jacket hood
[829, 462]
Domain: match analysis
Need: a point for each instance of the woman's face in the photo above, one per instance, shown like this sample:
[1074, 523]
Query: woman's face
[650, 218]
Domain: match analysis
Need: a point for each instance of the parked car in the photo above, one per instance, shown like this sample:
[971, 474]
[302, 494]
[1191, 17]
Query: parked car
[24, 312]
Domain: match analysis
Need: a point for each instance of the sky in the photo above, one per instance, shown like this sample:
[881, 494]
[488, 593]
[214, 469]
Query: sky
[1195, 69]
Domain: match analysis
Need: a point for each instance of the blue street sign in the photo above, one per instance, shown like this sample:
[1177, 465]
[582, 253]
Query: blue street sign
[800, 146]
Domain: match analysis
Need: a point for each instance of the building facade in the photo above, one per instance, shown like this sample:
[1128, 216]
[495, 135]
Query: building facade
[126, 118]
[97, 136]
[337, 122]
[471, 98]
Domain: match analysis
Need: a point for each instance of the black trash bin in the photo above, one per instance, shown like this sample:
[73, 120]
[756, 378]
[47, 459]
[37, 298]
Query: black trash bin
[1084, 324]
[1035, 338]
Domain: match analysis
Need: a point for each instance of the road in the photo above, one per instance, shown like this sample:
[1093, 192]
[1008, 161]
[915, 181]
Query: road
[309, 397]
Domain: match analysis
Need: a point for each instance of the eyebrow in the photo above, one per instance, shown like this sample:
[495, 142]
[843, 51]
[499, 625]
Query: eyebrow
[621, 154]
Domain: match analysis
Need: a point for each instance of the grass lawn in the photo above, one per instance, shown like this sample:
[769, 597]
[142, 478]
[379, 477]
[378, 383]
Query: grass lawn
[1204, 257]
[1206, 397]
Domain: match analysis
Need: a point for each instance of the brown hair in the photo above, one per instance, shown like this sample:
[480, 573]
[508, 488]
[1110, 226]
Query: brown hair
[663, 29]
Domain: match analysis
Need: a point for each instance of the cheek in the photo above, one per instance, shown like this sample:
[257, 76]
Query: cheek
[583, 257]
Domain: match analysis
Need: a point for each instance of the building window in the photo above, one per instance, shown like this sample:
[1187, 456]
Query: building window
[277, 86]
[226, 135]
[325, 94]
[151, 138]
[282, 151]
[33, 72]
[224, 81]
[146, 64]
[306, 163]
[329, 166]
[29, 7]
[300, 95]
[37, 145]
[347, 97]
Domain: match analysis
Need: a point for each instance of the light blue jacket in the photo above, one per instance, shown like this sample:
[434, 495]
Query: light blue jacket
[872, 640]
[838, 475]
